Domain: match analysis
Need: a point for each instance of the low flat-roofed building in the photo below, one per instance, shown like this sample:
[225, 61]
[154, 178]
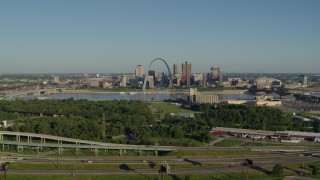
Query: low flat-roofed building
[93, 82]
[236, 101]
[268, 103]
[206, 98]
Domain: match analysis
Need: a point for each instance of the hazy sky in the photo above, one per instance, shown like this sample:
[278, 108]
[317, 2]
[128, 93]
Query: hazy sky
[57, 36]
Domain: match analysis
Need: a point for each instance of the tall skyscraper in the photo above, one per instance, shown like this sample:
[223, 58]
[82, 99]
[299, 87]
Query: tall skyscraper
[215, 73]
[139, 72]
[187, 72]
[175, 69]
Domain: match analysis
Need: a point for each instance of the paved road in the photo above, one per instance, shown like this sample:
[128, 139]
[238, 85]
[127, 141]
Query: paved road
[140, 171]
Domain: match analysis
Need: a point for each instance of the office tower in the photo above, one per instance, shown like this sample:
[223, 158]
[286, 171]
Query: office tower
[204, 81]
[153, 74]
[139, 71]
[178, 78]
[220, 78]
[187, 72]
[175, 69]
[55, 79]
[215, 73]
[151, 81]
[124, 81]
[304, 81]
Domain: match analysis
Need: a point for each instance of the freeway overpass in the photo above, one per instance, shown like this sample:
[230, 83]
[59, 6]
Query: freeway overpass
[75, 143]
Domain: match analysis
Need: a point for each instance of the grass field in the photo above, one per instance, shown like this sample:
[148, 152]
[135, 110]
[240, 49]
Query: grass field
[217, 176]
[229, 143]
[166, 108]
[210, 153]
[83, 166]
[259, 143]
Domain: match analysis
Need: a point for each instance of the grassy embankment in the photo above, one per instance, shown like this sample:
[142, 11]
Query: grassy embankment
[210, 153]
[229, 143]
[237, 143]
[81, 166]
[216, 176]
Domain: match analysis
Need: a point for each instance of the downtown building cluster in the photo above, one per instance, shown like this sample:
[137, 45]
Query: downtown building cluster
[183, 78]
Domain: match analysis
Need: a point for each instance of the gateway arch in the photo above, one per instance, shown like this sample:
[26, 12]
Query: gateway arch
[146, 73]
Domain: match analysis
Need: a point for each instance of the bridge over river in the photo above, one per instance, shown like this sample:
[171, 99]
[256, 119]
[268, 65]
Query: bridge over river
[71, 143]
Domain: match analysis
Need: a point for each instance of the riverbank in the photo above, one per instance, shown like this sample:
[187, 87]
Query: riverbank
[166, 91]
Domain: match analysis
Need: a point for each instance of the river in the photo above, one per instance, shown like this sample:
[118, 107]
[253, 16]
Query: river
[140, 96]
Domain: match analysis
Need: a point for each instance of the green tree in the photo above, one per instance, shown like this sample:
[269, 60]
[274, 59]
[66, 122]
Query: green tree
[314, 170]
[277, 170]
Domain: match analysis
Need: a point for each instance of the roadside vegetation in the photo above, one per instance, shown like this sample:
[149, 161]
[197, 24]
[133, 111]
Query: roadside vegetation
[182, 153]
[216, 176]
[229, 143]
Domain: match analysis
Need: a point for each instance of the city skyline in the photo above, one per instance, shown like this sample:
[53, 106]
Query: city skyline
[112, 36]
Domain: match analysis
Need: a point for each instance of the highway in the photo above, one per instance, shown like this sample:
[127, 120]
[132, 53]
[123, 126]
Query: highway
[204, 164]
[192, 164]
[78, 143]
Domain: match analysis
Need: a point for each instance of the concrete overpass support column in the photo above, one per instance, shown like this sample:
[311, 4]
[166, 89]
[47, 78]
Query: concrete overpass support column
[38, 150]
[44, 140]
[124, 152]
[17, 138]
[1, 137]
[96, 152]
[59, 150]
[156, 152]
[28, 138]
[140, 152]
[105, 151]
[19, 148]
[2, 147]
[77, 151]
[120, 151]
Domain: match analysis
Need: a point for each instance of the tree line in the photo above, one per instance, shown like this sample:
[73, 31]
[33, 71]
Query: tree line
[132, 122]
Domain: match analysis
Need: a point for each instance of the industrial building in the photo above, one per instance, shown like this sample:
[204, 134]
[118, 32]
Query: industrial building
[267, 83]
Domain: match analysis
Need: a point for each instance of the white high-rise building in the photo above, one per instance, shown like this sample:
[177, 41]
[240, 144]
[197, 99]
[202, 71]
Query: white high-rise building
[139, 71]
[175, 69]
[124, 81]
